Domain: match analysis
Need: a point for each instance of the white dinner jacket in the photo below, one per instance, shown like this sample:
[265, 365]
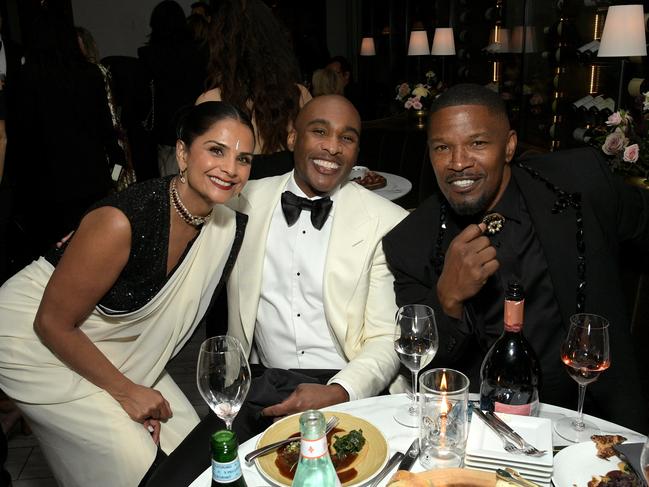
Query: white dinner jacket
[359, 302]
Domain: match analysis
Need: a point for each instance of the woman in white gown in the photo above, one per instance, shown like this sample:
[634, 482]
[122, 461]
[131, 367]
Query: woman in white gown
[86, 331]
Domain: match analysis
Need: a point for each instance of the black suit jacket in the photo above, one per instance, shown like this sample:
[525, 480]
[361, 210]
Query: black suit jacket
[613, 213]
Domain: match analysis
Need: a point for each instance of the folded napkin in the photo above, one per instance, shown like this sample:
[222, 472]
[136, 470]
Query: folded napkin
[630, 453]
[271, 387]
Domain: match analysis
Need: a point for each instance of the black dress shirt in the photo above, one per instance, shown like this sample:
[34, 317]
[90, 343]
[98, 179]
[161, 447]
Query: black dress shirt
[521, 258]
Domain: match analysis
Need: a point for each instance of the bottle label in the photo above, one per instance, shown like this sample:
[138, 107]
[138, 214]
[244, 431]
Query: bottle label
[514, 315]
[520, 409]
[314, 448]
[226, 473]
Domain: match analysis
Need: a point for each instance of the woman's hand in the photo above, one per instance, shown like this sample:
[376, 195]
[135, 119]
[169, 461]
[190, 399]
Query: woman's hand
[153, 427]
[143, 403]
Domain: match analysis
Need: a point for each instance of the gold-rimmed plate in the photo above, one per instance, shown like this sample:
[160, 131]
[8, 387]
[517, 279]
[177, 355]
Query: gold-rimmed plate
[367, 464]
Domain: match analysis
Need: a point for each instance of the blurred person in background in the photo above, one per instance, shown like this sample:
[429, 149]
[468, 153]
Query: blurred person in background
[62, 135]
[326, 82]
[253, 67]
[175, 68]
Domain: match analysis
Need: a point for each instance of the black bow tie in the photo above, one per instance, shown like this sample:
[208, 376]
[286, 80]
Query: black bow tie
[292, 205]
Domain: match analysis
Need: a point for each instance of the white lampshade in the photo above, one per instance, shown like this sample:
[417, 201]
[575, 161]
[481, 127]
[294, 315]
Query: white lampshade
[517, 39]
[443, 43]
[623, 33]
[418, 45]
[367, 47]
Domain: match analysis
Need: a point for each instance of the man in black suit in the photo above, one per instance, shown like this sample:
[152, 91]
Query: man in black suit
[565, 216]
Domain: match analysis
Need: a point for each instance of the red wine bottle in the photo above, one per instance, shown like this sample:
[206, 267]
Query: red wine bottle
[510, 373]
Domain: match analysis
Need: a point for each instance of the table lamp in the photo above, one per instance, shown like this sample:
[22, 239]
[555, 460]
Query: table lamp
[443, 45]
[623, 35]
[418, 45]
[367, 47]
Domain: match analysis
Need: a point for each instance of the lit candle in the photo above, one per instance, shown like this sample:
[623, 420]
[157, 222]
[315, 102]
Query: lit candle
[443, 411]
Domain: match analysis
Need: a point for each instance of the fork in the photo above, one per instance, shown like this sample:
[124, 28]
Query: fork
[331, 424]
[525, 447]
[508, 445]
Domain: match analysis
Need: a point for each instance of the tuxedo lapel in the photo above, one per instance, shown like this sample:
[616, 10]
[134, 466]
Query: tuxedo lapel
[347, 253]
[556, 233]
[260, 201]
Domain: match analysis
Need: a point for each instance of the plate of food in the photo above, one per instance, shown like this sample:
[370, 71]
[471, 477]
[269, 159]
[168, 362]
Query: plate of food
[369, 179]
[353, 467]
[592, 464]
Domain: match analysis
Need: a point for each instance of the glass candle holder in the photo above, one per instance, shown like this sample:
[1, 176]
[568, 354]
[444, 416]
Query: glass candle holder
[444, 425]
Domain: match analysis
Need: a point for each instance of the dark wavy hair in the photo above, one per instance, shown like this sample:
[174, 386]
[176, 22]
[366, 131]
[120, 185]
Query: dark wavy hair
[253, 65]
[195, 120]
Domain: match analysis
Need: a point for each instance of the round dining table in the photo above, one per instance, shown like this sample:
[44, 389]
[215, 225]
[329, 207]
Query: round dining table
[380, 412]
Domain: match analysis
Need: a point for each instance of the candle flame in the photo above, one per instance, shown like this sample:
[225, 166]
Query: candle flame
[443, 387]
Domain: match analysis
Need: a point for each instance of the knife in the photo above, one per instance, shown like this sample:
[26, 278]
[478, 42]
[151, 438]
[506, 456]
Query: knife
[410, 457]
[396, 458]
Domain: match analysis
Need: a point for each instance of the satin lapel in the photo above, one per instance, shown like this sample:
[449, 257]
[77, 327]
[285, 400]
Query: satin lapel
[556, 233]
[262, 199]
[348, 251]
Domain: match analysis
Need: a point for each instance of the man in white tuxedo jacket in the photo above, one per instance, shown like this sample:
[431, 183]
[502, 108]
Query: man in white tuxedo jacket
[305, 297]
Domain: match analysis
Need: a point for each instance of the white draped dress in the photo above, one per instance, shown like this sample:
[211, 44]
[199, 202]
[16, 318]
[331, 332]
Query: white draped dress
[86, 436]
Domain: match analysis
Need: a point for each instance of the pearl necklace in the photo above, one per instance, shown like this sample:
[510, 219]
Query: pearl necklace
[181, 209]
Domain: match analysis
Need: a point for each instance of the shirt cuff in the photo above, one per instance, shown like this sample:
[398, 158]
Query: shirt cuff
[346, 386]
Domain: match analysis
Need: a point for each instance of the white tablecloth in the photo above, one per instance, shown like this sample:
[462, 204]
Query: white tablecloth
[380, 411]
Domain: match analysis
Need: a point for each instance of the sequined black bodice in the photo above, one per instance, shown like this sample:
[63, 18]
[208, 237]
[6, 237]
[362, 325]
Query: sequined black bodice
[146, 205]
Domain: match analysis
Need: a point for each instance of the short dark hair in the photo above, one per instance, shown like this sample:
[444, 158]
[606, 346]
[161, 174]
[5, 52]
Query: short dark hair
[198, 119]
[205, 6]
[345, 65]
[470, 94]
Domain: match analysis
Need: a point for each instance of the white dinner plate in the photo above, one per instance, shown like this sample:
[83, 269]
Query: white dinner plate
[484, 443]
[536, 470]
[396, 186]
[575, 465]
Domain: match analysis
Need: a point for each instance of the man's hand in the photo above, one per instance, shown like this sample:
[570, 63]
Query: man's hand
[469, 261]
[308, 396]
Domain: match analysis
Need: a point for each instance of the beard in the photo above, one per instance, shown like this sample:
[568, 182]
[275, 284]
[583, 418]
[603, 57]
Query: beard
[471, 208]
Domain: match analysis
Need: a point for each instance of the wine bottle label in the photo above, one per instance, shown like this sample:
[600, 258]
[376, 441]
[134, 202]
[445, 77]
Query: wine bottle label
[514, 315]
[314, 448]
[520, 409]
[226, 473]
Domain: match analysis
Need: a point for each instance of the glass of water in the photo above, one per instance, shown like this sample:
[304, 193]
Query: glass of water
[223, 376]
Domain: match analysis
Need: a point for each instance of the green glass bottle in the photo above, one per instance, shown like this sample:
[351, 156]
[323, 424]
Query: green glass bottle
[314, 468]
[226, 468]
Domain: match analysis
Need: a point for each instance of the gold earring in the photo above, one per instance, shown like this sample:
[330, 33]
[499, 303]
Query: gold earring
[182, 176]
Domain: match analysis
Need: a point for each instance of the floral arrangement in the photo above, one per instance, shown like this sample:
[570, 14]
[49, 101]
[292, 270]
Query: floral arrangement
[419, 96]
[626, 144]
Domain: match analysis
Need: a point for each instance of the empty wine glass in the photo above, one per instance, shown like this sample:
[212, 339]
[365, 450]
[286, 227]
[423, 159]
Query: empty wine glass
[644, 461]
[416, 342]
[585, 354]
[223, 376]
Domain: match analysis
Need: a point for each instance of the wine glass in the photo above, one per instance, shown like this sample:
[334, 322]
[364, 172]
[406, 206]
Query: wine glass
[644, 461]
[223, 376]
[585, 354]
[416, 342]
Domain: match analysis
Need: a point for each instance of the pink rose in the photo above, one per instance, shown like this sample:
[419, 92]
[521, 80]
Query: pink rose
[614, 120]
[614, 143]
[631, 153]
[408, 103]
[417, 104]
